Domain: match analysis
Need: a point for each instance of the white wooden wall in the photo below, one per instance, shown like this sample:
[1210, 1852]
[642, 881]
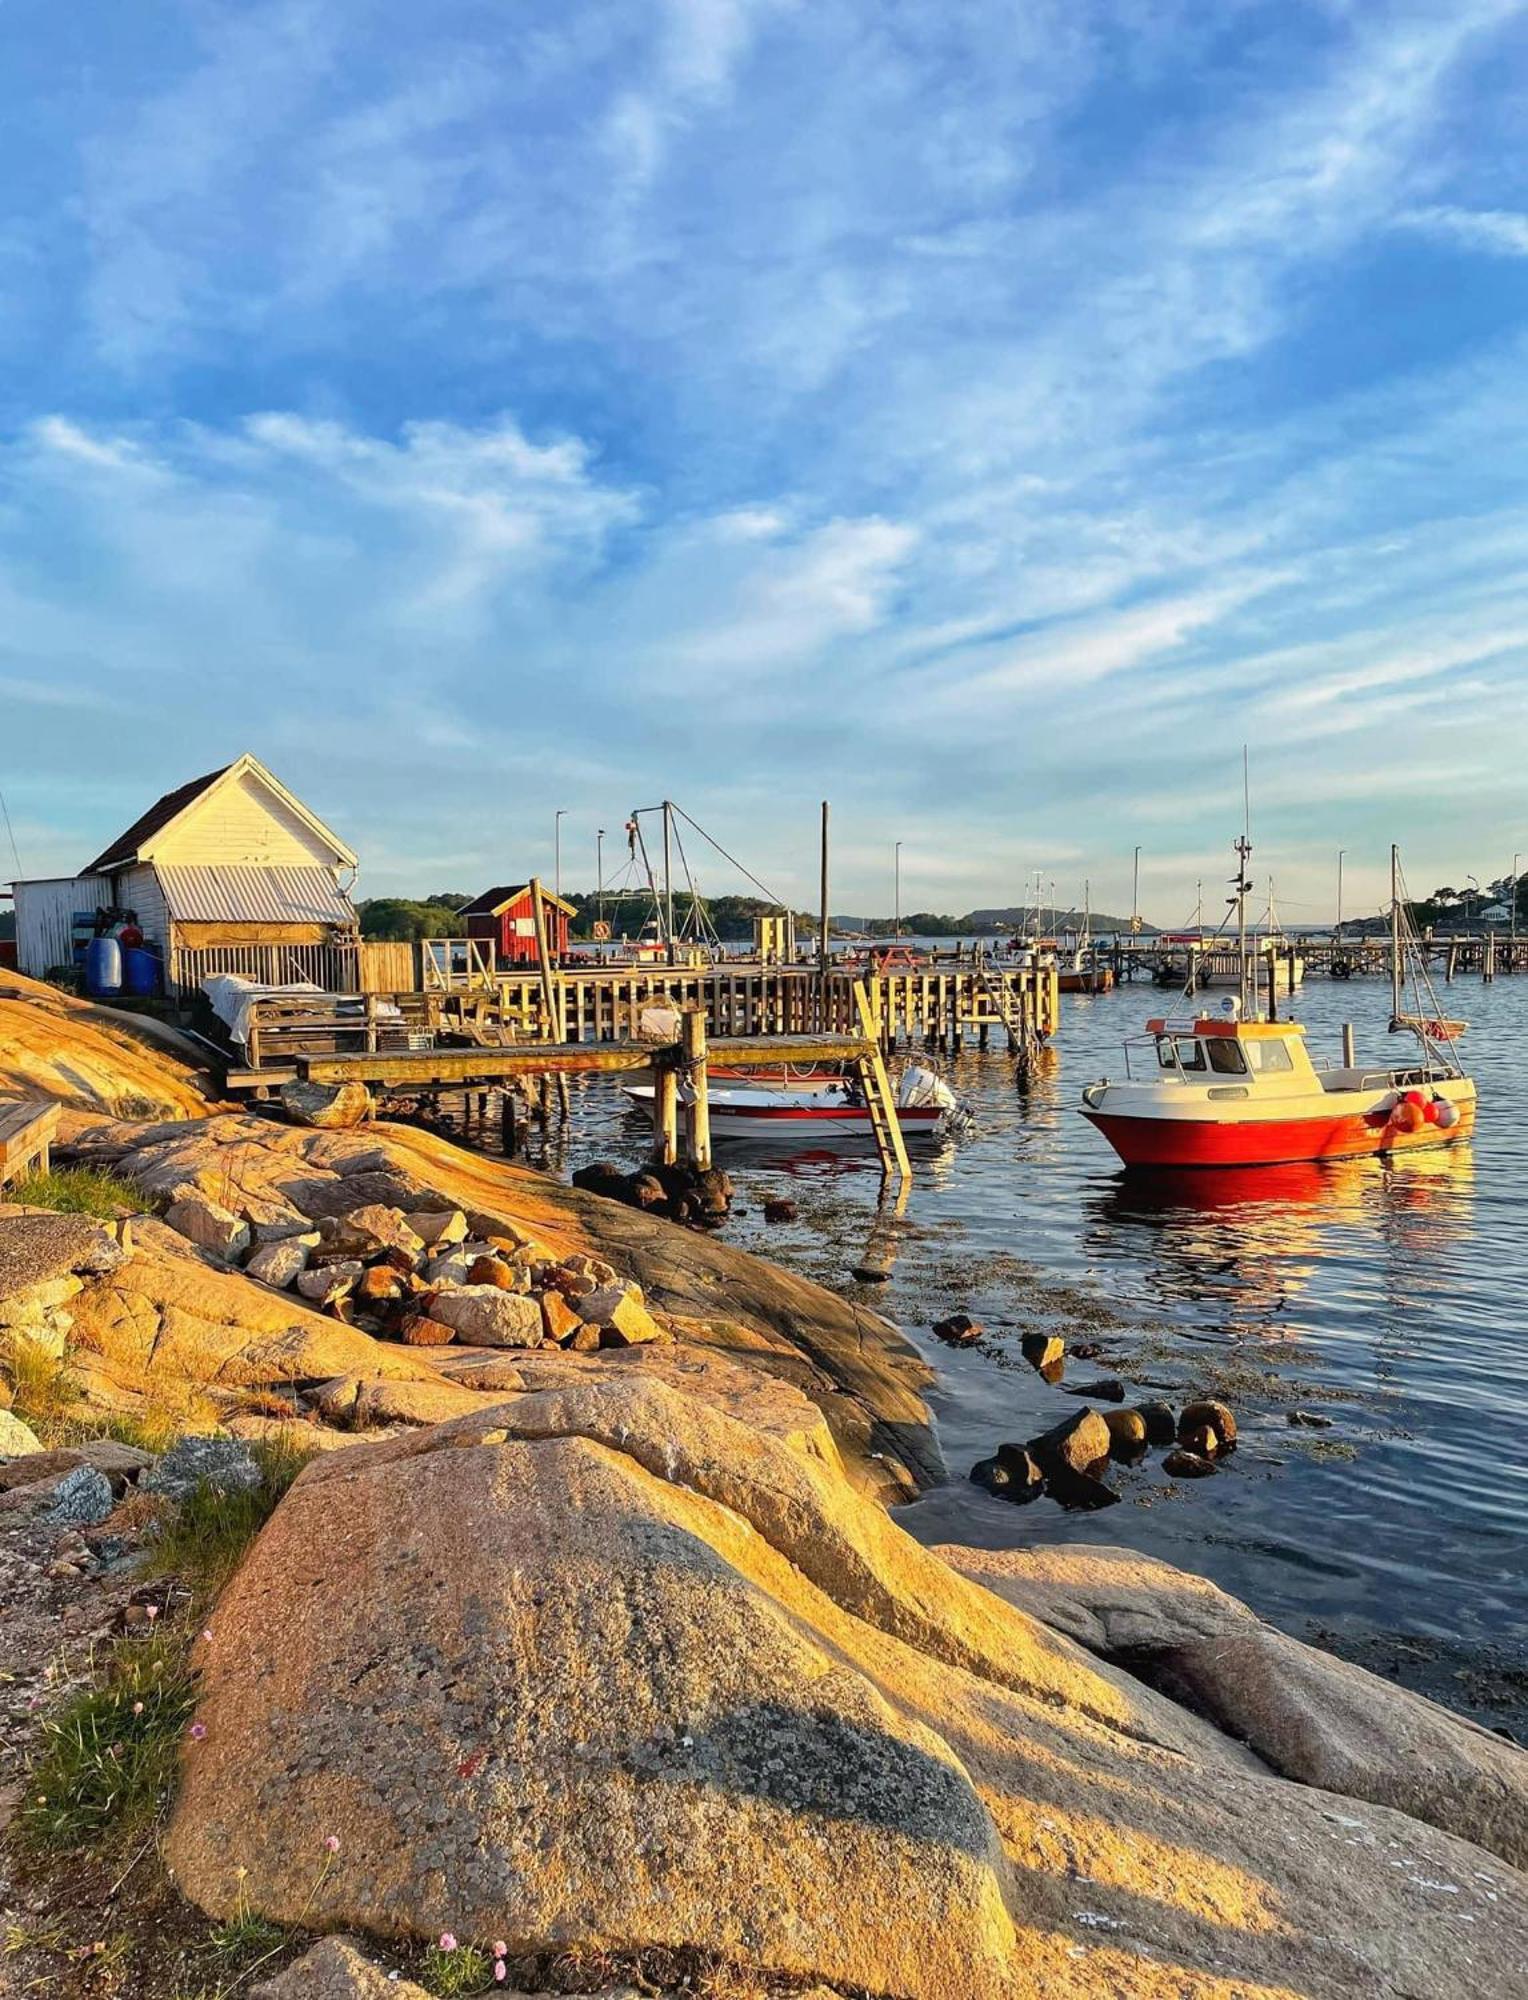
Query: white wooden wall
[241, 824]
[138, 890]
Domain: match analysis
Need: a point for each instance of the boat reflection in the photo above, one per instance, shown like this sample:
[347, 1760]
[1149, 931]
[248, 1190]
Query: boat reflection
[1252, 1238]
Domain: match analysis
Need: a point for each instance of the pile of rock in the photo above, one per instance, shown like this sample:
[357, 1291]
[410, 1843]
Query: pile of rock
[425, 1279]
[681, 1193]
[1070, 1460]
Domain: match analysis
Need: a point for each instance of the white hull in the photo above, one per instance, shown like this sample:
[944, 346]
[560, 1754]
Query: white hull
[809, 1112]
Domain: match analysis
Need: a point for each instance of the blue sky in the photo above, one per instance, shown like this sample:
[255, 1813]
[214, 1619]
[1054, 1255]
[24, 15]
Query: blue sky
[988, 416]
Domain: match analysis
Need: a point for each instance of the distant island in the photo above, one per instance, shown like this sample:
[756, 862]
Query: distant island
[729, 918]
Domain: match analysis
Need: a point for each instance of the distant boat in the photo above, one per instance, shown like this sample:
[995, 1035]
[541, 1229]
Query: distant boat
[1235, 1088]
[1085, 970]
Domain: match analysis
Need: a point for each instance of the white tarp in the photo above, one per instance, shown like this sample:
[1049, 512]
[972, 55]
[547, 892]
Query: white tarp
[231, 996]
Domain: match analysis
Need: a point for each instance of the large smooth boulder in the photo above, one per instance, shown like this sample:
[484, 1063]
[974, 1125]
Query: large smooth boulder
[489, 1317]
[603, 1670]
[93, 1058]
[1308, 1714]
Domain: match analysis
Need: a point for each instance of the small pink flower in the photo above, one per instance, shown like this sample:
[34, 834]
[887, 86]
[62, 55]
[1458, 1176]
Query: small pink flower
[447, 1941]
[137, 1708]
[198, 1731]
[207, 1633]
[500, 1970]
[332, 1842]
[501, 1949]
[152, 1612]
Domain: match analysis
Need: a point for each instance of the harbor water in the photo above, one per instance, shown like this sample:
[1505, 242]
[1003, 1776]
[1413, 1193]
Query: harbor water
[1387, 1302]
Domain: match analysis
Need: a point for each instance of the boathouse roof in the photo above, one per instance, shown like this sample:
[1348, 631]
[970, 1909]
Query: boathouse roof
[493, 901]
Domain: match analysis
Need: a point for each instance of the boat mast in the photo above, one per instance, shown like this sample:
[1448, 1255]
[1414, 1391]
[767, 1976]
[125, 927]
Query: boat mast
[1243, 854]
[1395, 935]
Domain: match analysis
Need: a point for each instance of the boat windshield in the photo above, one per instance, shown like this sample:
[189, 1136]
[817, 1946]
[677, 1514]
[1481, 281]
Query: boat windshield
[1267, 1057]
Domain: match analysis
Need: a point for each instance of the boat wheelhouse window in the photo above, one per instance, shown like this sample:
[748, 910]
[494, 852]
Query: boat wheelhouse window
[1180, 1052]
[1226, 1057]
[1267, 1057]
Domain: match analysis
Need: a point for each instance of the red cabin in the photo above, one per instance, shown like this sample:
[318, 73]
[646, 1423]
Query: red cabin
[505, 919]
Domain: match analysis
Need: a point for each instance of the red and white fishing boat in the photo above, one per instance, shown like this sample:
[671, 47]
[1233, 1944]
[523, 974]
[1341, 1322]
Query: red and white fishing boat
[818, 1107]
[1232, 1088]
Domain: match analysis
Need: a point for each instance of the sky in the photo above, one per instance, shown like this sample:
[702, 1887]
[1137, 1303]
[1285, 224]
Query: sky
[989, 417]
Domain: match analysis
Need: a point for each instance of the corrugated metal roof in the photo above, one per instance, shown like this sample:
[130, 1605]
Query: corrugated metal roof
[254, 896]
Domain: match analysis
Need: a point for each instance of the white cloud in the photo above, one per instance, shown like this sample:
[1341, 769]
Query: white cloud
[1499, 231]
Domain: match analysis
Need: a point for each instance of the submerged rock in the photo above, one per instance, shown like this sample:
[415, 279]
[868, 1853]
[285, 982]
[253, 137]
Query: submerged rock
[1207, 1414]
[1078, 1445]
[1044, 1352]
[1160, 1420]
[958, 1330]
[1181, 1463]
[1127, 1433]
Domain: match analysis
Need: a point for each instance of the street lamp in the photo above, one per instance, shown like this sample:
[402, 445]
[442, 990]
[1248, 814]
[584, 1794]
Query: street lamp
[1515, 860]
[557, 820]
[1469, 908]
[896, 921]
[1135, 895]
[1340, 852]
[599, 870]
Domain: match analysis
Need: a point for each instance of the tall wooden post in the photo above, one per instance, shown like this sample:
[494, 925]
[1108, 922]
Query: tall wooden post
[823, 925]
[697, 1112]
[551, 992]
[665, 1115]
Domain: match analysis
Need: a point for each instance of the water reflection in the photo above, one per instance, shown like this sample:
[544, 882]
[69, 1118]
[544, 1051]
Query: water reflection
[1255, 1238]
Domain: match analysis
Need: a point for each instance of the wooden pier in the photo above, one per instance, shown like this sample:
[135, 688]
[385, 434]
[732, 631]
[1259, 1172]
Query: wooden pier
[588, 1006]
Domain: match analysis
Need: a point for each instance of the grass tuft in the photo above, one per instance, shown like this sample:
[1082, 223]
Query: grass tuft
[203, 1541]
[79, 1191]
[109, 1757]
[467, 1969]
[43, 1393]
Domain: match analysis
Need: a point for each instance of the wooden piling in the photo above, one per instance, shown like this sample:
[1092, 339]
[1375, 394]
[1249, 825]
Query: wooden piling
[697, 1111]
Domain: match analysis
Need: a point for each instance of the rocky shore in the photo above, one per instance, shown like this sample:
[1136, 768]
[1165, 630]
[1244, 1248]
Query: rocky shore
[472, 1584]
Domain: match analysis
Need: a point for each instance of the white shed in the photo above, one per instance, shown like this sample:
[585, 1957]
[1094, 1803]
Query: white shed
[229, 873]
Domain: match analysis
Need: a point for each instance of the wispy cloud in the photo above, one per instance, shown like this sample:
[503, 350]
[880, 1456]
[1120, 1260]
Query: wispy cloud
[1499, 231]
[948, 406]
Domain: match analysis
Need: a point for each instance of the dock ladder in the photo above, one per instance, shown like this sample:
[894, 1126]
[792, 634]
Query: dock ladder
[876, 1084]
[1002, 1002]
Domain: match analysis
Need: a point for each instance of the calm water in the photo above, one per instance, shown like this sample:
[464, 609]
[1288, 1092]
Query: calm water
[1391, 1300]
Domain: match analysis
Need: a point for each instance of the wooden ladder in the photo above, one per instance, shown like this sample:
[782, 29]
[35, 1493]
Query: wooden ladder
[1008, 1010]
[876, 1084]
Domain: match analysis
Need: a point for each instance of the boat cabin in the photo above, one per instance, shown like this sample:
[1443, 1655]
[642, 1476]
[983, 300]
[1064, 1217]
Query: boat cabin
[1214, 1046]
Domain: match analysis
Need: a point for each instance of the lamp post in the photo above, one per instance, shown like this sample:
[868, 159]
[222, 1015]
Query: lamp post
[599, 870]
[1515, 860]
[1135, 896]
[1340, 852]
[1469, 907]
[896, 921]
[557, 820]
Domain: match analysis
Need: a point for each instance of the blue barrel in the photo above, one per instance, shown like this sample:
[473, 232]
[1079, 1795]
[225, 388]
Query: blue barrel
[140, 971]
[103, 966]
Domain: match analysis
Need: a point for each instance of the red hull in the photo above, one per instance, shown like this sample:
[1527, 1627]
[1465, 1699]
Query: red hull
[1182, 1142]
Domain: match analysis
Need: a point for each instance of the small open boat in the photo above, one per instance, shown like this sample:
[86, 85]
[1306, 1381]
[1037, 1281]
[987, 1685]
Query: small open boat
[815, 1107]
[1233, 1088]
